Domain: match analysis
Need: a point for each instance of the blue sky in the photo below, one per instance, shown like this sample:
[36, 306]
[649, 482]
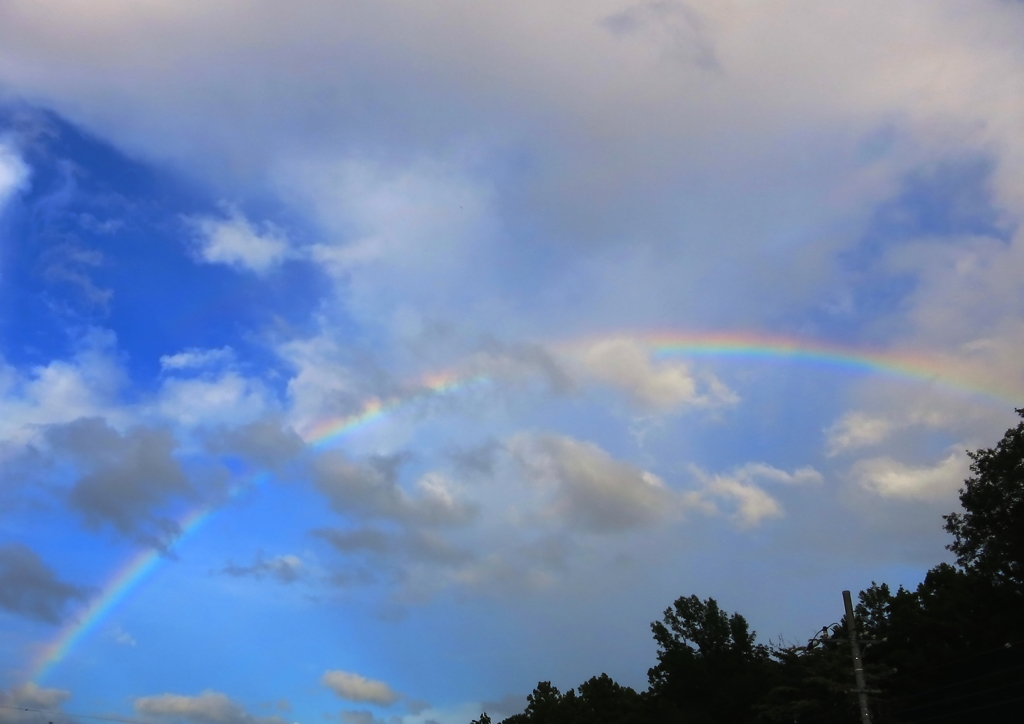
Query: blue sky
[226, 229]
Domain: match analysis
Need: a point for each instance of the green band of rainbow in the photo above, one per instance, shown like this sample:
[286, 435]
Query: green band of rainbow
[946, 371]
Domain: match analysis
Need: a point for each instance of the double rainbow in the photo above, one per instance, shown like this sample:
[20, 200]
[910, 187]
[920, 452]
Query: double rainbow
[945, 372]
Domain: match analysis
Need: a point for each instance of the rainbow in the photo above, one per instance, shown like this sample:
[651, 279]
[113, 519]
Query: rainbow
[954, 374]
[329, 431]
[950, 373]
[125, 579]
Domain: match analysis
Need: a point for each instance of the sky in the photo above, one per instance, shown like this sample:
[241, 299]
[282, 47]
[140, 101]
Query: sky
[370, 362]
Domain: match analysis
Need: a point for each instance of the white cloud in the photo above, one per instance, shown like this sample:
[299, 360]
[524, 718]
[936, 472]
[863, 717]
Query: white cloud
[209, 707]
[14, 172]
[236, 242]
[196, 358]
[763, 471]
[750, 504]
[86, 385]
[122, 637]
[890, 478]
[226, 399]
[857, 429]
[353, 687]
[662, 386]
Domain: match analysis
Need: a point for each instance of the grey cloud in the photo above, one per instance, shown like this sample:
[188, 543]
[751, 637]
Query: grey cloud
[284, 568]
[480, 460]
[29, 587]
[407, 545]
[505, 706]
[371, 488]
[516, 361]
[351, 686]
[124, 478]
[359, 716]
[209, 707]
[267, 443]
[361, 539]
[680, 29]
[29, 696]
[591, 490]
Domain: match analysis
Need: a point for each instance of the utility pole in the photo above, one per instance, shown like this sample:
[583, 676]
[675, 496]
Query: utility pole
[858, 665]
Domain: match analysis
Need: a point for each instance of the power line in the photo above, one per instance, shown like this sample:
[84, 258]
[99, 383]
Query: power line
[962, 682]
[968, 711]
[71, 714]
[961, 697]
[951, 662]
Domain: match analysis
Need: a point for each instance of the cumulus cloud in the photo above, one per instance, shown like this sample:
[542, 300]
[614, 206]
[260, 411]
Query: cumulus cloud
[858, 429]
[660, 386]
[209, 707]
[236, 242]
[284, 568]
[62, 390]
[225, 399]
[891, 478]
[29, 696]
[589, 489]
[371, 488]
[29, 587]
[747, 503]
[123, 478]
[354, 687]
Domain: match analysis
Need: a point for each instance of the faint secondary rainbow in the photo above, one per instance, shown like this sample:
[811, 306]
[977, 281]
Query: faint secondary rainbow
[905, 365]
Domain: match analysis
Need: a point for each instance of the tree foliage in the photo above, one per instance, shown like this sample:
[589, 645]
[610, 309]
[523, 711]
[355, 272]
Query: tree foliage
[989, 534]
[951, 650]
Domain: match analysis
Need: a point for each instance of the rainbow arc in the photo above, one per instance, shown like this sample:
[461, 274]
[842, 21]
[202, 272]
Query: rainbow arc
[946, 372]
